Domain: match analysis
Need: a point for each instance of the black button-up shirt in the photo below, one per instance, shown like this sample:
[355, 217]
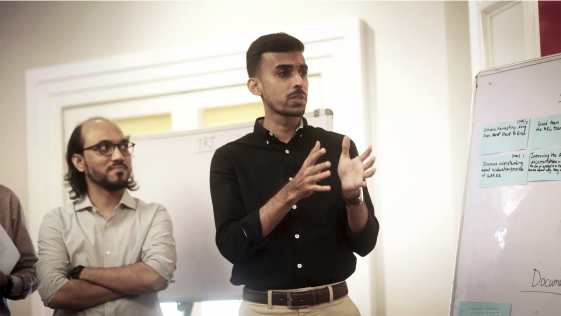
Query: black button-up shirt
[313, 244]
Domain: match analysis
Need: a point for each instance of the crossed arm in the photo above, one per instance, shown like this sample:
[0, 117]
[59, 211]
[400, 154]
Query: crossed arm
[99, 285]
[96, 286]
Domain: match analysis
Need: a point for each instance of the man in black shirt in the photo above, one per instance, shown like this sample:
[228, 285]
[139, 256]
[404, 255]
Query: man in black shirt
[290, 200]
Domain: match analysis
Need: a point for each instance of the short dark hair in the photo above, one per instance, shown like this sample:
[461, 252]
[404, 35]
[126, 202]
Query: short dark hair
[276, 43]
[76, 179]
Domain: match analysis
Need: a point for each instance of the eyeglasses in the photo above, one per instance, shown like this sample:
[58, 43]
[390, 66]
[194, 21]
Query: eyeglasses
[107, 148]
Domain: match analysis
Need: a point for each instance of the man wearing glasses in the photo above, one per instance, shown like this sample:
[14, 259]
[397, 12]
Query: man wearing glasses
[106, 253]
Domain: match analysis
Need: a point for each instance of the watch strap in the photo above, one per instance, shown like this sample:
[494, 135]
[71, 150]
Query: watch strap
[75, 272]
[356, 201]
[7, 291]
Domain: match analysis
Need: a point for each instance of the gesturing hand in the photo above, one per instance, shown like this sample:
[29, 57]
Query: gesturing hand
[304, 183]
[353, 173]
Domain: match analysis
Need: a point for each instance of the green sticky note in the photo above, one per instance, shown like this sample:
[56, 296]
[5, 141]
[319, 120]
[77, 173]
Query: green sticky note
[503, 170]
[545, 131]
[484, 309]
[505, 136]
[545, 165]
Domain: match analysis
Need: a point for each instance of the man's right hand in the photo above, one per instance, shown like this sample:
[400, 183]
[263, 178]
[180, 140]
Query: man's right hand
[303, 185]
[305, 181]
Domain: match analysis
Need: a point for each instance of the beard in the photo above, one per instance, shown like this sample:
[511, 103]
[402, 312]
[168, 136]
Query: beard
[103, 181]
[281, 106]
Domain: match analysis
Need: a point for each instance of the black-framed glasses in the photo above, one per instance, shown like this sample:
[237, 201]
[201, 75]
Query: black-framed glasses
[107, 148]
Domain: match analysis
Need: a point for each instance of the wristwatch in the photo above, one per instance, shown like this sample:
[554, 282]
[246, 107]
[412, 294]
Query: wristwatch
[356, 201]
[7, 291]
[75, 272]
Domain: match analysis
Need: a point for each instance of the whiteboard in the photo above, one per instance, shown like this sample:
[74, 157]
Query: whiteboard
[507, 233]
[173, 169]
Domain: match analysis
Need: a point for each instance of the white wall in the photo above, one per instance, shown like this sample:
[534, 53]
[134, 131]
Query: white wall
[419, 74]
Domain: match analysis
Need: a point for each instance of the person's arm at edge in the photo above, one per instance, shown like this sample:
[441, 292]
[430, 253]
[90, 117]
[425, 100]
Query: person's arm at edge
[23, 274]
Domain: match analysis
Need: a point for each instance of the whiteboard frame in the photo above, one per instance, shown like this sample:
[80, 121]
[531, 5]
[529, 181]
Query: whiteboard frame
[482, 73]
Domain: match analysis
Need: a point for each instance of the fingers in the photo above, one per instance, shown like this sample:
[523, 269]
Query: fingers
[369, 163]
[320, 167]
[369, 173]
[346, 146]
[366, 153]
[314, 155]
[320, 176]
[321, 188]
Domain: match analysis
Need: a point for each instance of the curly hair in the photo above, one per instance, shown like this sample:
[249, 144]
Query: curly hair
[75, 179]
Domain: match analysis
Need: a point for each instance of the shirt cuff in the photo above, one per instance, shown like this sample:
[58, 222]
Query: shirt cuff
[163, 266]
[18, 286]
[368, 230]
[48, 291]
[251, 227]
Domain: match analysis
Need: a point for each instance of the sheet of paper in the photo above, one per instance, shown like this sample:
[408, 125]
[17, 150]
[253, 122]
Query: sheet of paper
[484, 309]
[505, 136]
[545, 164]
[503, 170]
[9, 254]
[545, 131]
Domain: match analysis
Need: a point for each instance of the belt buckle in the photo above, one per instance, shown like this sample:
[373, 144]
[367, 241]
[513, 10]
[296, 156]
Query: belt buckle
[289, 299]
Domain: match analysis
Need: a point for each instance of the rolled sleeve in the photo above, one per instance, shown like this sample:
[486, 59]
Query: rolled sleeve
[158, 250]
[53, 265]
[363, 242]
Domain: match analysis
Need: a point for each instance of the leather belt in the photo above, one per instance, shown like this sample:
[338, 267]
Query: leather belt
[296, 298]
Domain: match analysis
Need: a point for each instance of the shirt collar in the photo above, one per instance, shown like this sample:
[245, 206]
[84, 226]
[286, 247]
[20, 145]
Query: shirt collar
[260, 130]
[85, 203]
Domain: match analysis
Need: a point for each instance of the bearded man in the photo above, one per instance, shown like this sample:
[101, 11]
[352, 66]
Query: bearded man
[290, 201]
[106, 253]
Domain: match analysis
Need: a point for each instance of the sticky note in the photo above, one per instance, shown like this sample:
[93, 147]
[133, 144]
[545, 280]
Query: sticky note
[503, 170]
[484, 309]
[545, 131]
[545, 164]
[505, 136]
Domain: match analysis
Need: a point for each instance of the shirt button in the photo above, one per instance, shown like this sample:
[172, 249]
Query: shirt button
[271, 133]
[107, 225]
[293, 207]
[267, 142]
[299, 266]
[108, 252]
[300, 135]
[290, 179]
[296, 236]
[286, 151]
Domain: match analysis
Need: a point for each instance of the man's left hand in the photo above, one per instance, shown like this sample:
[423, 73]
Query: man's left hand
[354, 172]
